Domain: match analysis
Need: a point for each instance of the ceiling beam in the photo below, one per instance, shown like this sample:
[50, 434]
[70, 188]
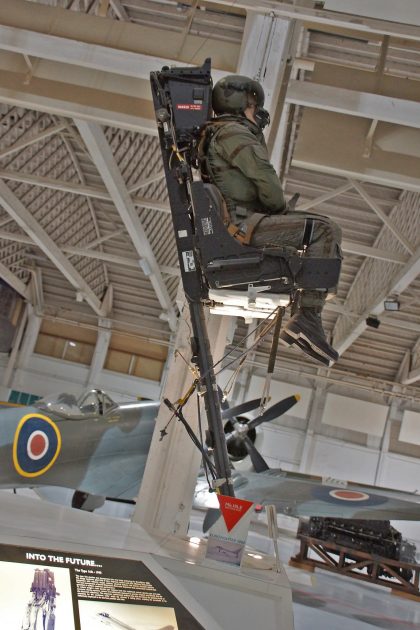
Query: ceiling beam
[85, 54]
[86, 252]
[56, 184]
[397, 284]
[15, 282]
[104, 161]
[268, 48]
[119, 10]
[86, 191]
[381, 214]
[28, 223]
[373, 252]
[347, 246]
[410, 365]
[79, 53]
[326, 18]
[75, 101]
[412, 377]
[33, 139]
[329, 194]
[397, 111]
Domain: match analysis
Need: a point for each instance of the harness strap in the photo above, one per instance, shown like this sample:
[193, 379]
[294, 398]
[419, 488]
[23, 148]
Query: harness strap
[238, 149]
[243, 232]
[308, 232]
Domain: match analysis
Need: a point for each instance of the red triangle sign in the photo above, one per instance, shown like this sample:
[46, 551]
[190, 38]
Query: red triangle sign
[233, 509]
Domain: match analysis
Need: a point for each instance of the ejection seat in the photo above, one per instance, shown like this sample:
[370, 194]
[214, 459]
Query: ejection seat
[244, 280]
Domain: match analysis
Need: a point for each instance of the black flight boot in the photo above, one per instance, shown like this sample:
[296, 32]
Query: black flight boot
[305, 329]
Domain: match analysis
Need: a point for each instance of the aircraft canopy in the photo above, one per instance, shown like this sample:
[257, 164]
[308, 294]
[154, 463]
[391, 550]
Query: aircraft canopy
[92, 403]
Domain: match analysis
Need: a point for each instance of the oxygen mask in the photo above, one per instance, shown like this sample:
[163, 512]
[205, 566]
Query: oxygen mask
[262, 117]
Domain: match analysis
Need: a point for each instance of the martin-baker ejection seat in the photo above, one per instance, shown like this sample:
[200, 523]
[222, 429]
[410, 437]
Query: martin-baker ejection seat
[239, 278]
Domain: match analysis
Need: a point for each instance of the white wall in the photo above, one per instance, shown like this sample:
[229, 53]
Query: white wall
[341, 460]
[45, 375]
[281, 447]
[401, 472]
[357, 415]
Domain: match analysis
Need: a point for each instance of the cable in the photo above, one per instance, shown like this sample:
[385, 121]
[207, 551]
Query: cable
[263, 321]
[200, 428]
[178, 413]
[254, 345]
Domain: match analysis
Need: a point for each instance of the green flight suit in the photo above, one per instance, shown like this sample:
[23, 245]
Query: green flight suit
[234, 157]
[237, 163]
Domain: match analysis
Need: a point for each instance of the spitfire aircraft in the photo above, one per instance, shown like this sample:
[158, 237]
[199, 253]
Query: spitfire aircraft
[90, 444]
[99, 449]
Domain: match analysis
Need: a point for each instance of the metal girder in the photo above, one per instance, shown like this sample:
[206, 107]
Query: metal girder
[326, 18]
[56, 184]
[381, 214]
[87, 191]
[412, 377]
[146, 182]
[347, 247]
[28, 223]
[79, 53]
[398, 111]
[89, 104]
[87, 252]
[26, 142]
[267, 52]
[339, 152]
[408, 10]
[15, 282]
[119, 10]
[85, 54]
[373, 252]
[330, 194]
[397, 284]
[99, 354]
[104, 161]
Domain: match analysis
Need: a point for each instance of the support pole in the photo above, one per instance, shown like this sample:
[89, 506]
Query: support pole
[181, 98]
[210, 395]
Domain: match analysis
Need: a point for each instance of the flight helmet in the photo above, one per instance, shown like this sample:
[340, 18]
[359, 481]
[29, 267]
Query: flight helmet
[231, 95]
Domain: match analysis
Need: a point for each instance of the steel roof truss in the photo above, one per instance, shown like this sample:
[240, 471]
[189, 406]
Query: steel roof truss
[104, 161]
[28, 223]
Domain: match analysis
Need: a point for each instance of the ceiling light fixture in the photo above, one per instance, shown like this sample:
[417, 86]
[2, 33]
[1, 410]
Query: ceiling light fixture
[391, 304]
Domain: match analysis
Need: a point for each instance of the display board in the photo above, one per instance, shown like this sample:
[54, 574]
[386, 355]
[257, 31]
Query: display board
[55, 590]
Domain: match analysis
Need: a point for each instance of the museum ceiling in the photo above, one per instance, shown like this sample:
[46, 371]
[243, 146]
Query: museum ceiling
[85, 226]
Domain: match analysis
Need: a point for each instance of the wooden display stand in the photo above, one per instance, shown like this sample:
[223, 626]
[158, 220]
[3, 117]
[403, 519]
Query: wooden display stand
[402, 577]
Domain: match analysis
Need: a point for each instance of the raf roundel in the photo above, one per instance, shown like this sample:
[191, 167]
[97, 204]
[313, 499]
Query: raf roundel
[349, 495]
[36, 445]
[340, 496]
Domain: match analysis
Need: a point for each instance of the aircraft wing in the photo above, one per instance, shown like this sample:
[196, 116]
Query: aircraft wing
[300, 497]
[100, 455]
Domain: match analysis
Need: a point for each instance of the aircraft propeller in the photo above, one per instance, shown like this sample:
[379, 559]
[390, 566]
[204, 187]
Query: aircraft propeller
[240, 432]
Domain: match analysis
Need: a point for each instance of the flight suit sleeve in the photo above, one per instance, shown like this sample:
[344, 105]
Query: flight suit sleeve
[242, 150]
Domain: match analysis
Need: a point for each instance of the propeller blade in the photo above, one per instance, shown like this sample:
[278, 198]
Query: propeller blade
[259, 463]
[240, 409]
[275, 411]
